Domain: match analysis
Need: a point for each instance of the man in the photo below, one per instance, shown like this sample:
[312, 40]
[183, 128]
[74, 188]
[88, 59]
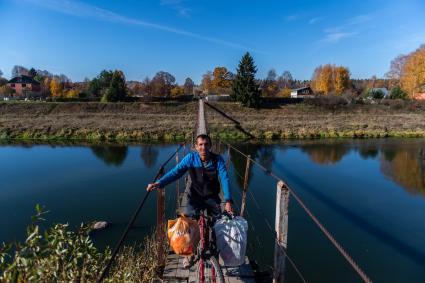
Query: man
[205, 169]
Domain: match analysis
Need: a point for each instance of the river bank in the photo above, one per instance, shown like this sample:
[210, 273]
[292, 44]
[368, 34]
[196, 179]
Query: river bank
[175, 121]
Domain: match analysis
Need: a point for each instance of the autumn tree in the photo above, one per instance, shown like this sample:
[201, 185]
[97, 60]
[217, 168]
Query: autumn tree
[147, 86]
[222, 80]
[269, 85]
[329, 79]
[396, 70]
[56, 88]
[285, 80]
[245, 88]
[413, 73]
[341, 80]
[206, 83]
[375, 82]
[162, 83]
[6, 90]
[72, 93]
[188, 86]
[177, 91]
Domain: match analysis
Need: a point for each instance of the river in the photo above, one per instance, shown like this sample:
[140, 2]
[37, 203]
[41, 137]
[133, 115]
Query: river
[370, 194]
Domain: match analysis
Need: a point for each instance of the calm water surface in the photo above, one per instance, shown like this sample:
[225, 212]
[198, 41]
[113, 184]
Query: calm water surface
[369, 193]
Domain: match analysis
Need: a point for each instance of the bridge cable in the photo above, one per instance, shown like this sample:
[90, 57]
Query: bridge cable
[132, 220]
[328, 235]
[291, 261]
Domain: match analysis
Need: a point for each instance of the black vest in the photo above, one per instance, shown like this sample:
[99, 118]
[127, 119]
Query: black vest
[204, 181]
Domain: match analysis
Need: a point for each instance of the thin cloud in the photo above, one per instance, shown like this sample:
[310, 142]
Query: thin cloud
[291, 18]
[83, 10]
[315, 20]
[335, 37]
[336, 34]
[178, 6]
[360, 19]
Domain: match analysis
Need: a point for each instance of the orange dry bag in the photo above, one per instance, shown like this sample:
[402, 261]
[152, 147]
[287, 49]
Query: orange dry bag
[183, 235]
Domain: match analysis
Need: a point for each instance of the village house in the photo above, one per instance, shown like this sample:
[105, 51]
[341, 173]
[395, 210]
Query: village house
[302, 92]
[24, 85]
[420, 96]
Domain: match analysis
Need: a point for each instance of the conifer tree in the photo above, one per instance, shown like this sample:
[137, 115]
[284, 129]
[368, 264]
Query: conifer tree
[245, 88]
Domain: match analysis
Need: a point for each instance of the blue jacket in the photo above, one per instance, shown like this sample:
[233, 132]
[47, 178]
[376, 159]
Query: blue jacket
[193, 161]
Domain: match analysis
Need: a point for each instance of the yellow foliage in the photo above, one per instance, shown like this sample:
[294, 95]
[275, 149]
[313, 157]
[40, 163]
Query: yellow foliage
[56, 88]
[72, 93]
[413, 75]
[220, 79]
[342, 79]
[330, 78]
[286, 92]
[207, 81]
[177, 91]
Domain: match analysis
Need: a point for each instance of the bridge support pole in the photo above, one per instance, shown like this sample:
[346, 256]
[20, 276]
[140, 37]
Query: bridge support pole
[160, 224]
[177, 183]
[281, 228]
[228, 158]
[245, 185]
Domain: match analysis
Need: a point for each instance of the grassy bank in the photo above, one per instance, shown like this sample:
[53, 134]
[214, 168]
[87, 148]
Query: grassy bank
[61, 254]
[175, 121]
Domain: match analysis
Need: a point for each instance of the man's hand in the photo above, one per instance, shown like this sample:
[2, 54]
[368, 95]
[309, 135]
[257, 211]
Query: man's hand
[228, 207]
[152, 186]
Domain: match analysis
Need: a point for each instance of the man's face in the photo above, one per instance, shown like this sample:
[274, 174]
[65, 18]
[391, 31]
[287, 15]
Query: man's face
[202, 146]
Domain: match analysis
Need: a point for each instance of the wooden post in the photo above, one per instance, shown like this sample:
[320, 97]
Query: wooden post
[245, 185]
[281, 228]
[228, 158]
[160, 224]
[177, 183]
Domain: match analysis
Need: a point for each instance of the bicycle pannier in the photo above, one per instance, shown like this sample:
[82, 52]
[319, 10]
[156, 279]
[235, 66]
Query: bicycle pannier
[183, 235]
[232, 237]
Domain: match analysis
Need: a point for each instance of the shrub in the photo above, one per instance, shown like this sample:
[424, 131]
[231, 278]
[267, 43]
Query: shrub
[285, 92]
[398, 93]
[60, 255]
[375, 93]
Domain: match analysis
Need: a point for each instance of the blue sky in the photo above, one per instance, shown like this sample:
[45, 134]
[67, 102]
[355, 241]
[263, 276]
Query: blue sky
[187, 38]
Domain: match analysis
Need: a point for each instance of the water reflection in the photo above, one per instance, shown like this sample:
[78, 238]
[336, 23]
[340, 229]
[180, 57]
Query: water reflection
[110, 155]
[149, 155]
[264, 154]
[327, 153]
[404, 163]
[406, 167]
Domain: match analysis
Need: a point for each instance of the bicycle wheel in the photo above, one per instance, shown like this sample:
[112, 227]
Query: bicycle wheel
[212, 271]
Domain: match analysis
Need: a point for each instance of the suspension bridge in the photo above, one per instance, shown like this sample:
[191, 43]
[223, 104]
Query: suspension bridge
[174, 270]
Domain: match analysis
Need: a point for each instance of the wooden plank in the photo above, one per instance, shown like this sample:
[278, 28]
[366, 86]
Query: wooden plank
[243, 271]
[174, 271]
[171, 266]
[182, 272]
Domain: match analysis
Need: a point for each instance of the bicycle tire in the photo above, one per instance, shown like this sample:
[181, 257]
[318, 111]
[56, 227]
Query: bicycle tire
[212, 261]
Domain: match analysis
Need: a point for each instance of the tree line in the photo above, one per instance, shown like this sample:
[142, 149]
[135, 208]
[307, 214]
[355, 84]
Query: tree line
[405, 79]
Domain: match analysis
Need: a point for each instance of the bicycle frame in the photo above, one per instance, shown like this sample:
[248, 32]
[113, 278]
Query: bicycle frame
[205, 247]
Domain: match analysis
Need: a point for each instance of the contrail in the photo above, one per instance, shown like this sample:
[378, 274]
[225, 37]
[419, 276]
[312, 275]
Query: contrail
[83, 10]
